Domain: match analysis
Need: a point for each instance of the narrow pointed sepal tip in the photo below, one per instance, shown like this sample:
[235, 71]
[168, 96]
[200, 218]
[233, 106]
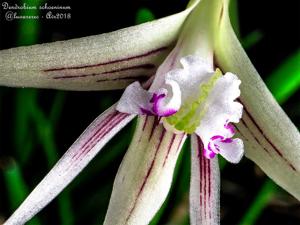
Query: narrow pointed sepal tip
[71, 164]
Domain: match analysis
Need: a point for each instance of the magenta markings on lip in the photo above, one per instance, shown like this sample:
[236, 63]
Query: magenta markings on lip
[169, 112]
[227, 140]
[216, 137]
[230, 127]
[209, 154]
[156, 99]
[155, 108]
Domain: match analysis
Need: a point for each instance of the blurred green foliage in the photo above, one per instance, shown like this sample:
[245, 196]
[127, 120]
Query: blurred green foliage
[285, 80]
[144, 15]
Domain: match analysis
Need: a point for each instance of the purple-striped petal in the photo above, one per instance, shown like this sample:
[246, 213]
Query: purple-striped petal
[144, 177]
[205, 187]
[101, 62]
[71, 163]
[271, 139]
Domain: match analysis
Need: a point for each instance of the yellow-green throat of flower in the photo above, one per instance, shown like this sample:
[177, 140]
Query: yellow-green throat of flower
[189, 116]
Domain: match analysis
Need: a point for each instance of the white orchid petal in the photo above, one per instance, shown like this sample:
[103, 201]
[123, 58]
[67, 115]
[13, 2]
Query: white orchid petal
[194, 72]
[100, 62]
[194, 63]
[135, 100]
[144, 177]
[71, 163]
[233, 151]
[271, 139]
[221, 109]
[204, 188]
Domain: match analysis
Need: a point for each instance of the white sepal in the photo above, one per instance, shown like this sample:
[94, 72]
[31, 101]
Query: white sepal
[71, 164]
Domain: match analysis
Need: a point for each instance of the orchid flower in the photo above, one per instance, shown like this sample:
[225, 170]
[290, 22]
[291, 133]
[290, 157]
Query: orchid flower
[182, 90]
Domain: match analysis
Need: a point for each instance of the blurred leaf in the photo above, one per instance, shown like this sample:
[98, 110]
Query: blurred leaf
[260, 202]
[285, 80]
[252, 39]
[28, 30]
[222, 163]
[16, 187]
[45, 129]
[144, 15]
[57, 106]
[23, 140]
[65, 208]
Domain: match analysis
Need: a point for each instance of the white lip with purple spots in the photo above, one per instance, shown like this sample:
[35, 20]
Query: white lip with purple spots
[218, 142]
